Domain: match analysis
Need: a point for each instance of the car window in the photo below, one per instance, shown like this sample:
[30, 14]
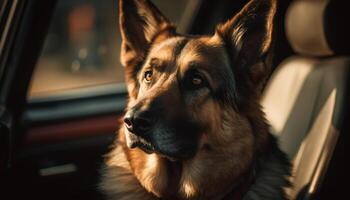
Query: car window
[81, 48]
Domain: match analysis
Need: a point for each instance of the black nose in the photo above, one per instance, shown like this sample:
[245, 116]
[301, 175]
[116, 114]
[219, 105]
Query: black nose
[137, 122]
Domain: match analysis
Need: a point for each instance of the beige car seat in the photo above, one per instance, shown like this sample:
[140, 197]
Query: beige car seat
[304, 98]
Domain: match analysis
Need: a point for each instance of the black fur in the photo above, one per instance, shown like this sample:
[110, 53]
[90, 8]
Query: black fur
[273, 170]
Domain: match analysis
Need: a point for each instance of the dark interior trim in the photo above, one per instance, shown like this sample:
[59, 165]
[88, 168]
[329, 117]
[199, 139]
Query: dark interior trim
[113, 89]
[64, 110]
[71, 130]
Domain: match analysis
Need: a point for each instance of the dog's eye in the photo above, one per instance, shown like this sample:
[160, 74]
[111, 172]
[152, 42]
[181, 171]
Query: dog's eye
[197, 81]
[148, 76]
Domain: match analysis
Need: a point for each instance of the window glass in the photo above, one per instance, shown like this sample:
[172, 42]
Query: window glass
[82, 46]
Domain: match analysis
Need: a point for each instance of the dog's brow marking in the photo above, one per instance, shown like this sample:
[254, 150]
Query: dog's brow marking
[180, 45]
[167, 50]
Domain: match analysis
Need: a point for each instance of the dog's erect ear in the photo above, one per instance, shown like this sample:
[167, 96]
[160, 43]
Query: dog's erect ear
[140, 22]
[248, 37]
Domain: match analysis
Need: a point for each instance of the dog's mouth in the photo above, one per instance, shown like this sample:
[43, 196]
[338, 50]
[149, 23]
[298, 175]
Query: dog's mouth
[144, 145]
[134, 141]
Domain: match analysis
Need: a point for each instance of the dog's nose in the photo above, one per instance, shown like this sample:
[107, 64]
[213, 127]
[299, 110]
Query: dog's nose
[137, 122]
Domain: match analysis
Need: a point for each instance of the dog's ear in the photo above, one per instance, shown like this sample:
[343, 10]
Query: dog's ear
[140, 24]
[248, 38]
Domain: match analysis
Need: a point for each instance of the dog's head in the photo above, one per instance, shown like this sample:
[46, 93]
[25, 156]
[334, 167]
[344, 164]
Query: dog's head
[178, 84]
[195, 95]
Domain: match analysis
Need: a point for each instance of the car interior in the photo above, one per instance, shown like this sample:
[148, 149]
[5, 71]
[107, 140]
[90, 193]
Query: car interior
[304, 99]
[62, 91]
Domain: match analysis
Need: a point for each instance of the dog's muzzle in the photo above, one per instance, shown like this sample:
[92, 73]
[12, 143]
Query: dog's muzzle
[174, 138]
[138, 125]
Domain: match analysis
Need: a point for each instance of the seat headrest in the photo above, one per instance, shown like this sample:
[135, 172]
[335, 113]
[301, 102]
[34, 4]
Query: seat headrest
[318, 27]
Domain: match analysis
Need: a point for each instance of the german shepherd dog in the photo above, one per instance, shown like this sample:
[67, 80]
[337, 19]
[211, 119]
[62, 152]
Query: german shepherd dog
[194, 128]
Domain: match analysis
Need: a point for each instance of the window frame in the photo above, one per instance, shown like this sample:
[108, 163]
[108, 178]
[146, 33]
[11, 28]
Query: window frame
[22, 26]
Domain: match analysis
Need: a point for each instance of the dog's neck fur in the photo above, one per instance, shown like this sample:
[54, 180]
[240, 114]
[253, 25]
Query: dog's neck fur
[119, 182]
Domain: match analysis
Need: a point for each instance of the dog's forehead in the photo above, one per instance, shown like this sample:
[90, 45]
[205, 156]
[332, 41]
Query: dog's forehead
[182, 51]
[168, 49]
[208, 52]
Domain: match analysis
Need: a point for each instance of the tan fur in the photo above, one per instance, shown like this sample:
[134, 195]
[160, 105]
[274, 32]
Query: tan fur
[118, 181]
[196, 181]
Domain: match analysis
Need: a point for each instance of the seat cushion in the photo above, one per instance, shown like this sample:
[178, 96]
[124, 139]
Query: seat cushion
[303, 102]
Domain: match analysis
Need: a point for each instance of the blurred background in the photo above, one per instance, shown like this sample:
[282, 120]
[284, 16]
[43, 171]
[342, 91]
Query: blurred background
[82, 46]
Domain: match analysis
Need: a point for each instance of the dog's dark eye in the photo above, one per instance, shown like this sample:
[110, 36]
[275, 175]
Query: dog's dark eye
[196, 81]
[148, 76]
